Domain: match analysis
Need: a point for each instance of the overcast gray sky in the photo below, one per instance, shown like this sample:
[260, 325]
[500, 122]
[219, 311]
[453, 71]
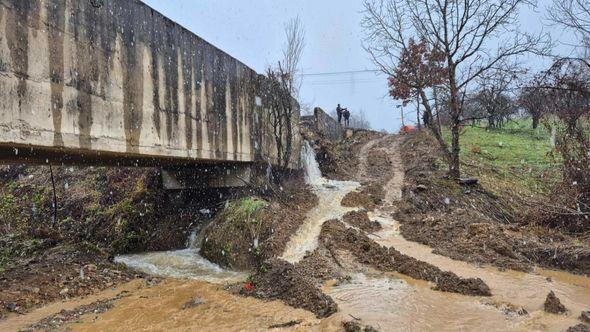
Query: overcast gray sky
[252, 31]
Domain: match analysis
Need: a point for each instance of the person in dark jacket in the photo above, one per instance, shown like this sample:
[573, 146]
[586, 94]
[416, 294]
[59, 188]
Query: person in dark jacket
[339, 110]
[346, 115]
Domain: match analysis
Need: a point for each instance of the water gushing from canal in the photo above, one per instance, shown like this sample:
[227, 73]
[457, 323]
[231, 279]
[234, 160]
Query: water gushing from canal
[186, 263]
[330, 194]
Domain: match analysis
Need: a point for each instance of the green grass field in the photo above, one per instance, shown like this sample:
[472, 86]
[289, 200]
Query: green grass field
[515, 154]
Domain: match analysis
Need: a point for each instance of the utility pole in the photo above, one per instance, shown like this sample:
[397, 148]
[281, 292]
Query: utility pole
[402, 110]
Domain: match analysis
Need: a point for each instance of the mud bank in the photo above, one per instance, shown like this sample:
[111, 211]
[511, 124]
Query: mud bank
[279, 279]
[335, 236]
[101, 211]
[250, 230]
[339, 160]
[475, 224]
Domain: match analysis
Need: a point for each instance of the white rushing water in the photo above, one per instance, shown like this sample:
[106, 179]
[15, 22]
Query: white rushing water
[330, 194]
[185, 263]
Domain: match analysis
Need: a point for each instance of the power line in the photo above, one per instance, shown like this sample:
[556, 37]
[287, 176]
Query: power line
[343, 72]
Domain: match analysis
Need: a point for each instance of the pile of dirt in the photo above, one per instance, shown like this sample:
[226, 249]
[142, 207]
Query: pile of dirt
[57, 273]
[338, 160]
[336, 236]
[354, 326]
[369, 197]
[579, 328]
[250, 230]
[319, 267]
[378, 163]
[278, 279]
[553, 305]
[360, 219]
[474, 224]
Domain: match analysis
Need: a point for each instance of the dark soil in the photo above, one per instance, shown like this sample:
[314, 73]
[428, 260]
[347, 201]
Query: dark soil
[474, 224]
[553, 304]
[378, 163]
[360, 219]
[319, 267]
[353, 326]
[369, 196]
[585, 317]
[336, 236]
[57, 321]
[102, 212]
[579, 328]
[278, 279]
[229, 240]
[339, 160]
[59, 272]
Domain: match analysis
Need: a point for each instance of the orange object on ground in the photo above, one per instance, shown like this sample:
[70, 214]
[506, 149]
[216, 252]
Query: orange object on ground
[407, 129]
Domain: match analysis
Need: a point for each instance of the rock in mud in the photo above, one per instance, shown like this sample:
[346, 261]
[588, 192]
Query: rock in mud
[585, 317]
[279, 279]
[335, 236]
[287, 324]
[193, 303]
[360, 219]
[352, 326]
[553, 304]
[579, 328]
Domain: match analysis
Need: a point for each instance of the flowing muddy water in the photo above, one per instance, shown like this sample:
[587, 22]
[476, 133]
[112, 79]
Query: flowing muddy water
[330, 193]
[387, 301]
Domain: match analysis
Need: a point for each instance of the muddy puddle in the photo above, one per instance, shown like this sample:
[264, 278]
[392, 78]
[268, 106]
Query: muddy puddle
[181, 305]
[509, 288]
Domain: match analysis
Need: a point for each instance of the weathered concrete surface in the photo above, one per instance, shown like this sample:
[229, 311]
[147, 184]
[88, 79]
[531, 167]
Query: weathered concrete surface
[324, 124]
[87, 80]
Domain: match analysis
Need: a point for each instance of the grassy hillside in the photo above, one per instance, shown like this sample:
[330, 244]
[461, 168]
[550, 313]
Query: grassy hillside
[515, 157]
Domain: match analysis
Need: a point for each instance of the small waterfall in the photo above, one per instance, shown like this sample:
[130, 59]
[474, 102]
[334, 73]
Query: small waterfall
[184, 263]
[313, 175]
[330, 194]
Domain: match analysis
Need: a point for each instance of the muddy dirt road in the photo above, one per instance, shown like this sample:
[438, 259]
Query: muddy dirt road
[193, 295]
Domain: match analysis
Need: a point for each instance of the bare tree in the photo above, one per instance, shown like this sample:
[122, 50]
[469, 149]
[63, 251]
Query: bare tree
[475, 36]
[566, 97]
[493, 96]
[282, 89]
[281, 108]
[573, 14]
[292, 53]
[532, 99]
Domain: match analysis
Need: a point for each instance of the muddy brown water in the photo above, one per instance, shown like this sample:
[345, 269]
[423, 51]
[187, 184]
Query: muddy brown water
[387, 301]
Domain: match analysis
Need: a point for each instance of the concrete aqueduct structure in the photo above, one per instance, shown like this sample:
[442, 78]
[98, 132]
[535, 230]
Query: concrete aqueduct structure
[114, 81]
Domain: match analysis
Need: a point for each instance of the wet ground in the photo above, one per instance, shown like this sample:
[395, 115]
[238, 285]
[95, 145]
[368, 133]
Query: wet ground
[194, 297]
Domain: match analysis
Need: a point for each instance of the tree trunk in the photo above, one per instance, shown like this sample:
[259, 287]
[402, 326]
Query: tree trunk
[535, 122]
[435, 129]
[454, 164]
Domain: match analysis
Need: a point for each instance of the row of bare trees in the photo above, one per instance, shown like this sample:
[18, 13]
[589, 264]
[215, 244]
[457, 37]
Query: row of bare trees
[460, 60]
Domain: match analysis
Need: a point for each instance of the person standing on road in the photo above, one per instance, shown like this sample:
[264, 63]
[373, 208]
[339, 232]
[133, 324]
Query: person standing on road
[339, 110]
[346, 115]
